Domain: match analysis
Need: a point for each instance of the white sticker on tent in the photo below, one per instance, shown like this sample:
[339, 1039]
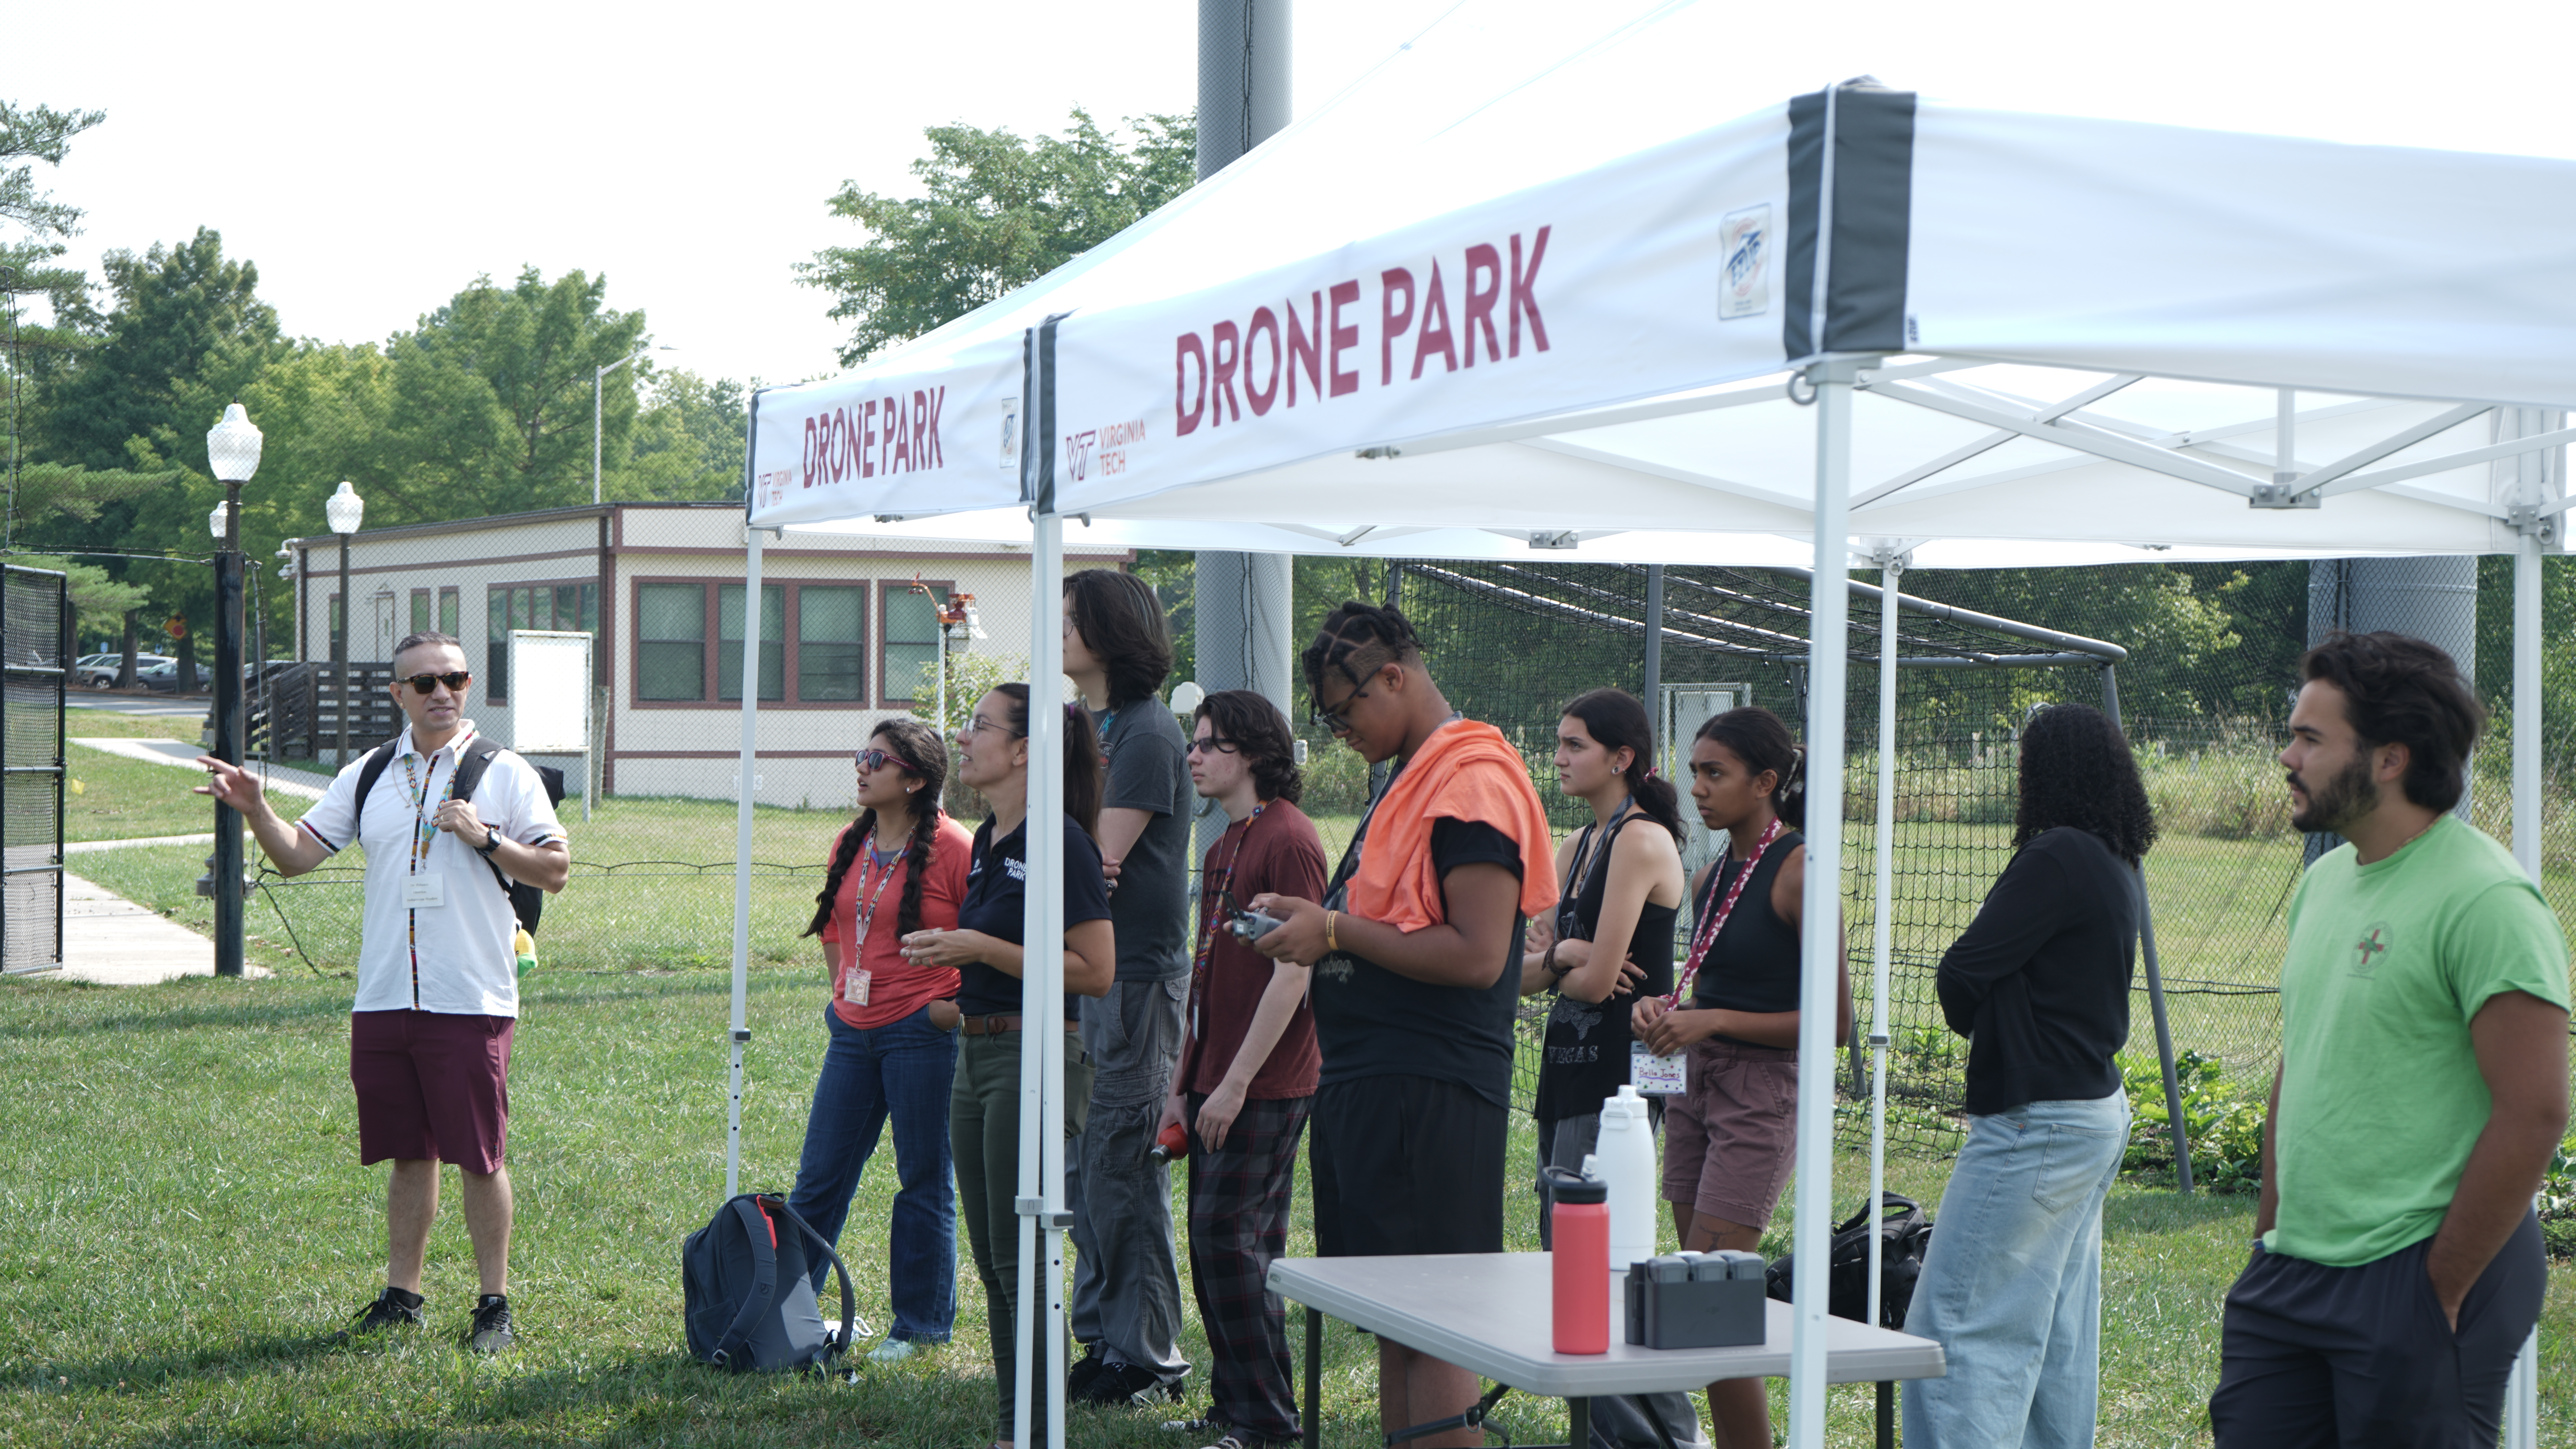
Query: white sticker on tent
[1745, 237]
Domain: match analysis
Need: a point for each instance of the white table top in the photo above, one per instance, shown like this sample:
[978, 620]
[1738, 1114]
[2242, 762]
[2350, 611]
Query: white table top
[1489, 1312]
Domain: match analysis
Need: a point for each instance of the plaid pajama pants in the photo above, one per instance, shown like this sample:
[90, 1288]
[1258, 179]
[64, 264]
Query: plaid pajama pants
[1238, 1224]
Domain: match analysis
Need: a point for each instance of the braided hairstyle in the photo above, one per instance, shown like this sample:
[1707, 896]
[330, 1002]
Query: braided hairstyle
[1762, 741]
[1616, 720]
[923, 756]
[1357, 640]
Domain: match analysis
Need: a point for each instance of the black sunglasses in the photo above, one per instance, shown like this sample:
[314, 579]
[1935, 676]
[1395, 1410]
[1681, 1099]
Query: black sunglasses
[1337, 719]
[1214, 744]
[454, 680]
[873, 760]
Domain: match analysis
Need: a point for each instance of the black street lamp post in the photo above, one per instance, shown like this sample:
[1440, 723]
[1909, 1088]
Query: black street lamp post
[345, 510]
[232, 447]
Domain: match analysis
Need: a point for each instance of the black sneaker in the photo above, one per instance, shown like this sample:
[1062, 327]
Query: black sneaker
[491, 1330]
[1077, 1379]
[1124, 1383]
[392, 1308]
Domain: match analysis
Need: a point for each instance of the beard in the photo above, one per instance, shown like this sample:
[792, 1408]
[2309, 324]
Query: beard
[2345, 797]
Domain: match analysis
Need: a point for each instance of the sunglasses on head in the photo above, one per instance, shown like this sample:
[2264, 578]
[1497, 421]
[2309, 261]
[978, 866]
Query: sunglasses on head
[454, 680]
[873, 760]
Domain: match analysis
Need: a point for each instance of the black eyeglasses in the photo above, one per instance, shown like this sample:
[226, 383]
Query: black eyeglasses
[454, 680]
[1214, 744]
[1338, 718]
[873, 760]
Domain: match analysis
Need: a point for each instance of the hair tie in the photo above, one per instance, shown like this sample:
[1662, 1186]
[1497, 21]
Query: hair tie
[1073, 709]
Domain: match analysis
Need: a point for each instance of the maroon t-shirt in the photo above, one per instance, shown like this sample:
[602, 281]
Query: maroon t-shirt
[1279, 852]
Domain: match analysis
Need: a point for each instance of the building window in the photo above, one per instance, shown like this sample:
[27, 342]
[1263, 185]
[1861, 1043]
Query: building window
[573, 608]
[671, 642]
[911, 644]
[773, 642]
[447, 612]
[420, 611]
[830, 642]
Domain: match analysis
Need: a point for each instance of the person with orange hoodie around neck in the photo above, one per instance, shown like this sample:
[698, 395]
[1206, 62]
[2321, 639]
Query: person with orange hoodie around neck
[1416, 950]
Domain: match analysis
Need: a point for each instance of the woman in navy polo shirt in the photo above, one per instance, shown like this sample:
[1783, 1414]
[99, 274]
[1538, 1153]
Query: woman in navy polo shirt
[984, 1105]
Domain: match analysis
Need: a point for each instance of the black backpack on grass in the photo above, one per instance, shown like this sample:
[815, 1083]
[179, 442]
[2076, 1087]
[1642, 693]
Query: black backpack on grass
[746, 1294]
[527, 902]
[1901, 1236]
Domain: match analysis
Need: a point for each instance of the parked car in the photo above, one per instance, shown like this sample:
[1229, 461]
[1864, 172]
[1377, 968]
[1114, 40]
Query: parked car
[161, 678]
[88, 662]
[102, 674]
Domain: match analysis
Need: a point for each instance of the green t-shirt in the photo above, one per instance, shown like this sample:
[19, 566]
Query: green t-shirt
[2381, 1098]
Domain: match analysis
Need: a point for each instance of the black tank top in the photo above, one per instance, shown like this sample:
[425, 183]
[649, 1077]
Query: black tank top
[1584, 1056]
[1753, 964]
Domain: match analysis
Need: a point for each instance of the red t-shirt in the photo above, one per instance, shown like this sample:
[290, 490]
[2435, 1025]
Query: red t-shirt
[896, 987]
[1279, 852]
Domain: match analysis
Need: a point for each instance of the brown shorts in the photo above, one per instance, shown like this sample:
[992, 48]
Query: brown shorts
[431, 1086]
[1729, 1136]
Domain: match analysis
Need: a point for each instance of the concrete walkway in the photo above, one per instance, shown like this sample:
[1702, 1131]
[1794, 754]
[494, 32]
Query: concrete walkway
[83, 847]
[300, 783]
[109, 939]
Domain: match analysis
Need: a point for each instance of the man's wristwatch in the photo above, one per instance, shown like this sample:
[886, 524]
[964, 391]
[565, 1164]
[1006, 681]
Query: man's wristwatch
[491, 842]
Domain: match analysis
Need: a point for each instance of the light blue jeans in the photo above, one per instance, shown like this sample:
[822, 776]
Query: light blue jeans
[2012, 1285]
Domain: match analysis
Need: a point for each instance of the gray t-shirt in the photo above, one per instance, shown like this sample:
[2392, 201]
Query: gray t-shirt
[1149, 770]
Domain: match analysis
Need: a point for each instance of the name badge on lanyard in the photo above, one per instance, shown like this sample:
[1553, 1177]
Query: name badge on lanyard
[1655, 1076]
[427, 889]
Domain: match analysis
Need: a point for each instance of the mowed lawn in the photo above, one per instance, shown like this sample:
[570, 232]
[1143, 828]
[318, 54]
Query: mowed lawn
[187, 1224]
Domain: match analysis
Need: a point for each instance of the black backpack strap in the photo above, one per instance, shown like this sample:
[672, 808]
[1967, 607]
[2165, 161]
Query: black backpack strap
[849, 1300]
[764, 1283]
[469, 774]
[370, 770]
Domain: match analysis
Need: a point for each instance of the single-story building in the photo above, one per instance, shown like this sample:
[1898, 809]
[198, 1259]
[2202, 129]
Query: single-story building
[845, 634]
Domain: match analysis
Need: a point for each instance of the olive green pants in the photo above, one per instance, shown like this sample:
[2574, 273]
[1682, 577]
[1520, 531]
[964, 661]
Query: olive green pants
[984, 1138]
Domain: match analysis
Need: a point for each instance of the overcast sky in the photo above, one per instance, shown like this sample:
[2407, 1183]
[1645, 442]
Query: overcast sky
[372, 160]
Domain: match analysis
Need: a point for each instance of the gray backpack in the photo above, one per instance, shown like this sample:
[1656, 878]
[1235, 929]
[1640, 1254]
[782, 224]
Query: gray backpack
[748, 1294]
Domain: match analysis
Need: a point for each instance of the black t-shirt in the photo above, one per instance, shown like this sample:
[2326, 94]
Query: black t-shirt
[1371, 1022]
[2039, 981]
[996, 903]
[1583, 1059]
[1149, 771]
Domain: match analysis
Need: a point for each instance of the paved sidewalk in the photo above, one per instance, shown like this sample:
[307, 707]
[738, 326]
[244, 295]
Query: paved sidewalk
[300, 783]
[109, 939]
[83, 847]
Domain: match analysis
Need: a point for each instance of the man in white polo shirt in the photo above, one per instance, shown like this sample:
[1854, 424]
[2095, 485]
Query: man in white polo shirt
[438, 987]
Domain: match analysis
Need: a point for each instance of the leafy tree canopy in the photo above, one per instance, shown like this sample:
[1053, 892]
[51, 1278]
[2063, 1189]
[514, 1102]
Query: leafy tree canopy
[31, 134]
[688, 441]
[999, 212]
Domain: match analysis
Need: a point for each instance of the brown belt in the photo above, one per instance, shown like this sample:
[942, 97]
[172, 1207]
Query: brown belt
[996, 1025]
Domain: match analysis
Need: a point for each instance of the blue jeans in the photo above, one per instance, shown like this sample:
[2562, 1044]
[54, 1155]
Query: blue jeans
[2012, 1285]
[903, 1070]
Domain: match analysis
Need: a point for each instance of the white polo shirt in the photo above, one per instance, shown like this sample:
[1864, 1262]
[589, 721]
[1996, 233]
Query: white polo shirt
[455, 956]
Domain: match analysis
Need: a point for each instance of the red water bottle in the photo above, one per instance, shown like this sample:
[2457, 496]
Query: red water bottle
[1581, 1266]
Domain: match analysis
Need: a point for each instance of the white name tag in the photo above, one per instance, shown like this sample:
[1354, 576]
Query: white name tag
[425, 890]
[854, 986]
[1655, 1076]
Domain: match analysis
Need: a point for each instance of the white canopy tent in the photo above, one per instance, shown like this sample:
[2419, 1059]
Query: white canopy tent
[1471, 310]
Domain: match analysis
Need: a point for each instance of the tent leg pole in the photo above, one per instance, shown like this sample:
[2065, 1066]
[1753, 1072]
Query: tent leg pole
[1042, 987]
[2155, 982]
[1882, 924]
[744, 791]
[2522, 1388]
[1821, 933]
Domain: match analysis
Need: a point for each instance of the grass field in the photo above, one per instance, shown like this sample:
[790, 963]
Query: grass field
[189, 1224]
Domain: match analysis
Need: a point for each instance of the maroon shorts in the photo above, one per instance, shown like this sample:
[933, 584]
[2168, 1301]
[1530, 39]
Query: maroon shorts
[1729, 1136]
[431, 1086]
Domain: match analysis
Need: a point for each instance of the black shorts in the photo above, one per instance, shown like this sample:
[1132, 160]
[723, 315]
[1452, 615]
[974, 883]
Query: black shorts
[1407, 1165]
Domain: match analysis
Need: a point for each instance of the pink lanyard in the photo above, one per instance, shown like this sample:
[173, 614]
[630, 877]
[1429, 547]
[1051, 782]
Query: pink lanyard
[1706, 935]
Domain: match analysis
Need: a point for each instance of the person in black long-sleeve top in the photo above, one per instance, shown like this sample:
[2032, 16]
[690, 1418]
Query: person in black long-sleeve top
[2039, 984]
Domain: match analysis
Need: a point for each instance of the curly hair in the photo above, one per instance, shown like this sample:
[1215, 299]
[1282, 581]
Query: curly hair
[2400, 690]
[922, 755]
[1121, 623]
[1762, 741]
[2076, 770]
[1616, 720]
[1357, 640]
[1260, 734]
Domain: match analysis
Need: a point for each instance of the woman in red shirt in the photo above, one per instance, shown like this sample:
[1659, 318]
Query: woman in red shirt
[893, 1023]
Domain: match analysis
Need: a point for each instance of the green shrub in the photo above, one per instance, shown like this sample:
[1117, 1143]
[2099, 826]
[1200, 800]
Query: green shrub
[2224, 1127]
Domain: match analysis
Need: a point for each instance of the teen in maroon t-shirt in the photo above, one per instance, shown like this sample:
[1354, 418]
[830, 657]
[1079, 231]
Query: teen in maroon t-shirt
[1246, 1078]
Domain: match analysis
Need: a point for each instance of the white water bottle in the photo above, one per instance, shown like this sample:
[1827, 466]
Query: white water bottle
[1625, 1159]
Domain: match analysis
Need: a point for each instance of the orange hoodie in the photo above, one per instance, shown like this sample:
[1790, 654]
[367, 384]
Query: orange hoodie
[1465, 771]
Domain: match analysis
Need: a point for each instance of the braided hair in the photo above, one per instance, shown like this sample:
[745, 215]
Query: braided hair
[923, 756]
[1762, 741]
[1357, 640]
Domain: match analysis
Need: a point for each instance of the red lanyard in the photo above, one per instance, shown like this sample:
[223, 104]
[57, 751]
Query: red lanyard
[1211, 909]
[1706, 935]
[864, 912]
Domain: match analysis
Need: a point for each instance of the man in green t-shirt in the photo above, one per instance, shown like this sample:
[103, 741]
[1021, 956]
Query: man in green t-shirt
[2422, 1086]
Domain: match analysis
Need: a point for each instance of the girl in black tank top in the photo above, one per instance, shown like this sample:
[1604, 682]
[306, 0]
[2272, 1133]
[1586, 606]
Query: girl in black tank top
[1584, 1057]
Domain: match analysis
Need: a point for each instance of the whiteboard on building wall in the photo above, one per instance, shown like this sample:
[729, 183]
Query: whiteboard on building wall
[549, 692]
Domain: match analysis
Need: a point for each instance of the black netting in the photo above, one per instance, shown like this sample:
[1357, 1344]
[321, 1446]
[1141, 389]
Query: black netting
[31, 750]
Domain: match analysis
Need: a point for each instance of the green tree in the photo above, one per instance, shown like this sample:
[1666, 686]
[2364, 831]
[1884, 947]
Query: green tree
[688, 441]
[999, 212]
[29, 134]
[491, 400]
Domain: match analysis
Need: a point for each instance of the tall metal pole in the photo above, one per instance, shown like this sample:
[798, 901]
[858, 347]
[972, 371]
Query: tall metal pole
[2155, 984]
[746, 787]
[1654, 673]
[1883, 922]
[228, 735]
[598, 379]
[340, 651]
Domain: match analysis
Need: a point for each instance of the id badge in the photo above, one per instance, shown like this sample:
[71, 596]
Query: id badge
[854, 986]
[1655, 1076]
[425, 890]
